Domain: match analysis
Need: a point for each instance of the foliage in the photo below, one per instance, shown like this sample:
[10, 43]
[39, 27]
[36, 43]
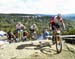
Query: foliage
[8, 22]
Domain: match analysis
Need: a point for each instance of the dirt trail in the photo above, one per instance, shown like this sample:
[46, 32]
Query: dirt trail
[23, 50]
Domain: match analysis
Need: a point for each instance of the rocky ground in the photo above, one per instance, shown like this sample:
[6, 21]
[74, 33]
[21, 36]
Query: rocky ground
[31, 50]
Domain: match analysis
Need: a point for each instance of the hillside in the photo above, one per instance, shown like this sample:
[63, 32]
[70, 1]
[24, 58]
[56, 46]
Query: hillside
[8, 21]
[69, 16]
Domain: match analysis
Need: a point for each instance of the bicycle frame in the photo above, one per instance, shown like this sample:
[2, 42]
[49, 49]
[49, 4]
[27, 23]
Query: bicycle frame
[20, 35]
[32, 35]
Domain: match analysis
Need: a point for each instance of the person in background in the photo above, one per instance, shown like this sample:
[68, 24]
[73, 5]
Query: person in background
[45, 33]
[11, 36]
[33, 28]
[20, 27]
[33, 31]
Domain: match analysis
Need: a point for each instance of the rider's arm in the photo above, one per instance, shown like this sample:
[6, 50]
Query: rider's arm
[49, 25]
[13, 34]
[62, 23]
[23, 26]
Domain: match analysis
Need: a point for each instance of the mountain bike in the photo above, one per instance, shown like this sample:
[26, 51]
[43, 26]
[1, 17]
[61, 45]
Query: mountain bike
[32, 35]
[19, 36]
[58, 41]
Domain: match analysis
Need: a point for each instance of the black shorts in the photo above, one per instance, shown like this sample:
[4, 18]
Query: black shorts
[55, 25]
[32, 30]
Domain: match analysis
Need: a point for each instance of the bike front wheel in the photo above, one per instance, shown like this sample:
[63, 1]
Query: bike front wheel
[58, 44]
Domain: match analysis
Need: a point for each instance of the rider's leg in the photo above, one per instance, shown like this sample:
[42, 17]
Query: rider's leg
[53, 35]
[56, 27]
[34, 35]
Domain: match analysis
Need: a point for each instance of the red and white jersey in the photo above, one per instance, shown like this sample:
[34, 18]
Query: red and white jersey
[58, 19]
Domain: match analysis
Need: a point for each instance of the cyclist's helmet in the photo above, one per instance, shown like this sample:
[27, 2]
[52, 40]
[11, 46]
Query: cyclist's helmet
[59, 15]
[19, 22]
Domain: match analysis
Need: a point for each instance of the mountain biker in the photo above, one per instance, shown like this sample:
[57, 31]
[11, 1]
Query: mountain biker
[33, 29]
[10, 36]
[56, 23]
[20, 27]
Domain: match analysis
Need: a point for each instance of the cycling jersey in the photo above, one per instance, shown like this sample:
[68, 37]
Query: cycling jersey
[33, 28]
[19, 27]
[55, 22]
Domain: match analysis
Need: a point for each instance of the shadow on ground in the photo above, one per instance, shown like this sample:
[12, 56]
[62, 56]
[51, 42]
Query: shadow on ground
[39, 46]
[44, 48]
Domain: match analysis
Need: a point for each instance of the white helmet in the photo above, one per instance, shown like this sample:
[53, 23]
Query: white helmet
[19, 22]
[59, 15]
[34, 24]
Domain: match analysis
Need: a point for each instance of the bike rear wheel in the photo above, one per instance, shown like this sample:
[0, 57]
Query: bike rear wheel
[58, 44]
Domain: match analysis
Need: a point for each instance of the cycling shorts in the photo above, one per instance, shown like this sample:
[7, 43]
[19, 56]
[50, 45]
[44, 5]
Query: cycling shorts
[32, 30]
[55, 25]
